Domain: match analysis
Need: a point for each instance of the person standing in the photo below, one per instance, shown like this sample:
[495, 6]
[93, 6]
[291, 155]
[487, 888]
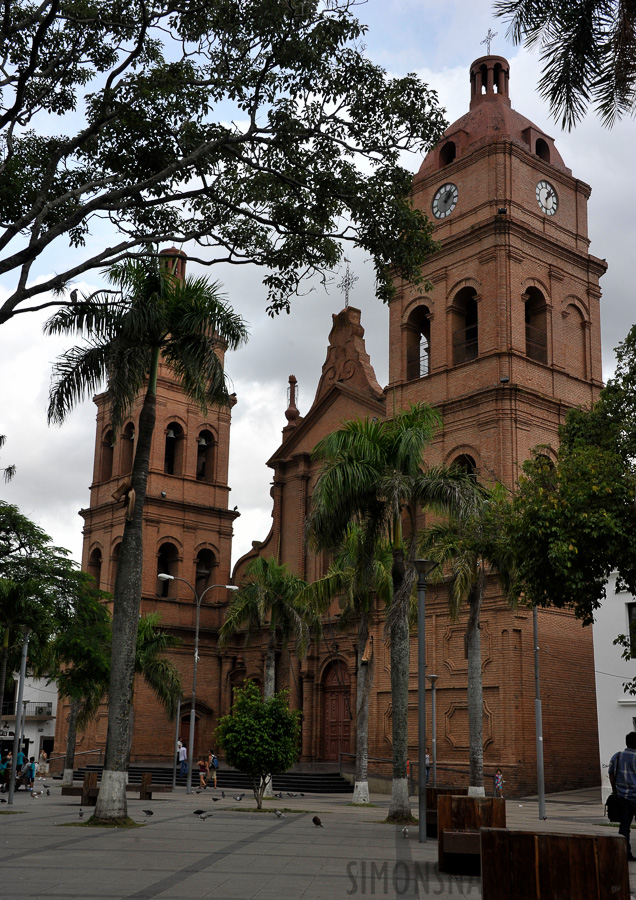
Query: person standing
[427, 763]
[213, 765]
[183, 760]
[622, 776]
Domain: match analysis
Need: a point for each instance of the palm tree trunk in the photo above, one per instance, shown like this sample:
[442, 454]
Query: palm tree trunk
[475, 691]
[111, 802]
[364, 683]
[269, 688]
[400, 807]
[3, 665]
[71, 738]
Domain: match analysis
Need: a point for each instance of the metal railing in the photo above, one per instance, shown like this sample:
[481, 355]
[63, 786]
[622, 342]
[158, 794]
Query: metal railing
[382, 767]
[33, 708]
[59, 760]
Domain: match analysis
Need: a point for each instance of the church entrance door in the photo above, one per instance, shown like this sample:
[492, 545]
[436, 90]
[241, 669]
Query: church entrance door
[337, 694]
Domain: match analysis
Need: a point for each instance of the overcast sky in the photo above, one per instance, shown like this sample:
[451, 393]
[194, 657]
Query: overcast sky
[438, 42]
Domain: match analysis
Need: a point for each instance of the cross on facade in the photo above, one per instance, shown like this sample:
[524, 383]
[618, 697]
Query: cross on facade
[348, 281]
[488, 39]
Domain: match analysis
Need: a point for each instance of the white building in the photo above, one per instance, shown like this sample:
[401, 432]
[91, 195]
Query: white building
[616, 708]
[39, 706]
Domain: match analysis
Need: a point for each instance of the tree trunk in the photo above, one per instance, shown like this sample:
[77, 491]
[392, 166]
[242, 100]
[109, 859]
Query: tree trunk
[475, 692]
[3, 665]
[71, 738]
[269, 689]
[400, 807]
[111, 802]
[365, 682]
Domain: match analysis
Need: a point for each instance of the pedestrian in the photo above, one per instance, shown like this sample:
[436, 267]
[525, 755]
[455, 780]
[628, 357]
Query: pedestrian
[30, 775]
[427, 761]
[43, 763]
[213, 765]
[183, 760]
[622, 776]
[499, 782]
[203, 772]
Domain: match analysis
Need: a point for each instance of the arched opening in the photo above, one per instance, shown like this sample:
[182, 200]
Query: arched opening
[536, 325]
[205, 456]
[465, 463]
[127, 448]
[496, 83]
[542, 149]
[167, 564]
[95, 566]
[108, 446]
[483, 71]
[574, 333]
[204, 571]
[173, 456]
[448, 153]
[418, 343]
[337, 710]
[465, 326]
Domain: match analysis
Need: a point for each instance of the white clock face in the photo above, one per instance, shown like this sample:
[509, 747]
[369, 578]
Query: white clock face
[547, 198]
[445, 200]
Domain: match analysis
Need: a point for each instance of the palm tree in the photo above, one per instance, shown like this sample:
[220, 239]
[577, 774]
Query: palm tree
[468, 548]
[270, 598]
[9, 471]
[153, 315]
[357, 581]
[373, 473]
[85, 647]
[588, 48]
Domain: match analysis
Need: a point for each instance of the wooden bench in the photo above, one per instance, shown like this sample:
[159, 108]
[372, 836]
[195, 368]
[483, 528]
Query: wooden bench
[89, 790]
[432, 793]
[527, 865]
[459, 819]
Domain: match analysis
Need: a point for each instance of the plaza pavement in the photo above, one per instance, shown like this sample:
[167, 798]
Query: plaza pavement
[237, 854]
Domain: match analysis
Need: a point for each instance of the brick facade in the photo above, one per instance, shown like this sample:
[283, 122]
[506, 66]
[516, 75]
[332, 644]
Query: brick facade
[506, 341]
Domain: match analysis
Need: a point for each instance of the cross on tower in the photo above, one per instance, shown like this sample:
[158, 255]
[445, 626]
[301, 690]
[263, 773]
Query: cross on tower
[348, 281]
[488, 39]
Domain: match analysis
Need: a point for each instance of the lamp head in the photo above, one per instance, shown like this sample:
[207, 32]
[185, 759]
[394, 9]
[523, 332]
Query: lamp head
[163, 576]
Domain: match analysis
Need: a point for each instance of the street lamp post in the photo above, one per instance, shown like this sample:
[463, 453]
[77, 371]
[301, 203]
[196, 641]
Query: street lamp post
[424, 567]
[162, 576]
[433, 679]
[538, 720]
[26, 631]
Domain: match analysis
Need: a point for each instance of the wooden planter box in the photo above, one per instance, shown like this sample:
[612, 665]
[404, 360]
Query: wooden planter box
[459, 821]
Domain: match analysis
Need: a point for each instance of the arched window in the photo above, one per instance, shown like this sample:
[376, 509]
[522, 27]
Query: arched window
[205, 568]
[106, 468]
[536, 326]
[167, 564]
[465, 463]
[465, 326]
[542, 149]
[173, 457]
[496, 83]
[574, 335]
[205, 456]
[127, 449]
[95, 566]
[418, 343]
[447, 153]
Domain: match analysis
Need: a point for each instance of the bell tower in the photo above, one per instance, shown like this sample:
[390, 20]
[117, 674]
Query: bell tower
[509, 336]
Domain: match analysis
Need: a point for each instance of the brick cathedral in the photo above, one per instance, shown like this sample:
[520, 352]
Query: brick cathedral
[506, 342]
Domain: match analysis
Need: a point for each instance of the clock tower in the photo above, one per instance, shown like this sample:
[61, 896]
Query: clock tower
[508, 339]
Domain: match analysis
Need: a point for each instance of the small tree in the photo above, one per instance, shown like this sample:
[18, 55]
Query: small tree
[260, 737]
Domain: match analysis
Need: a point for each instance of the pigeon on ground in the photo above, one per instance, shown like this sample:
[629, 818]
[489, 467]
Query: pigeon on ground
[148, 812]
[290, 795]
[279, 814]
[198, 790]
[279, 796]
[36, 794]
[3, 800]
[238, 798]
[198, 812]
[205, 816]
[302, 795]
[405, 832]
[317, 822]
[223, 794]
[48, 792]
[81, 813]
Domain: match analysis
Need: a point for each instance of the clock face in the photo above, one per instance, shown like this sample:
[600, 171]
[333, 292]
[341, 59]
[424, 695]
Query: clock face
[547, 198]
[445, 201]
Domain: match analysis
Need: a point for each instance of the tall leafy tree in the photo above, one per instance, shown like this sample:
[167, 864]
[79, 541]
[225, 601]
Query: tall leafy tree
[588, 51]
[270, 598]
[373, 473]
[358, 582]
[256, 128]
[154, 315]
[469, 548]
